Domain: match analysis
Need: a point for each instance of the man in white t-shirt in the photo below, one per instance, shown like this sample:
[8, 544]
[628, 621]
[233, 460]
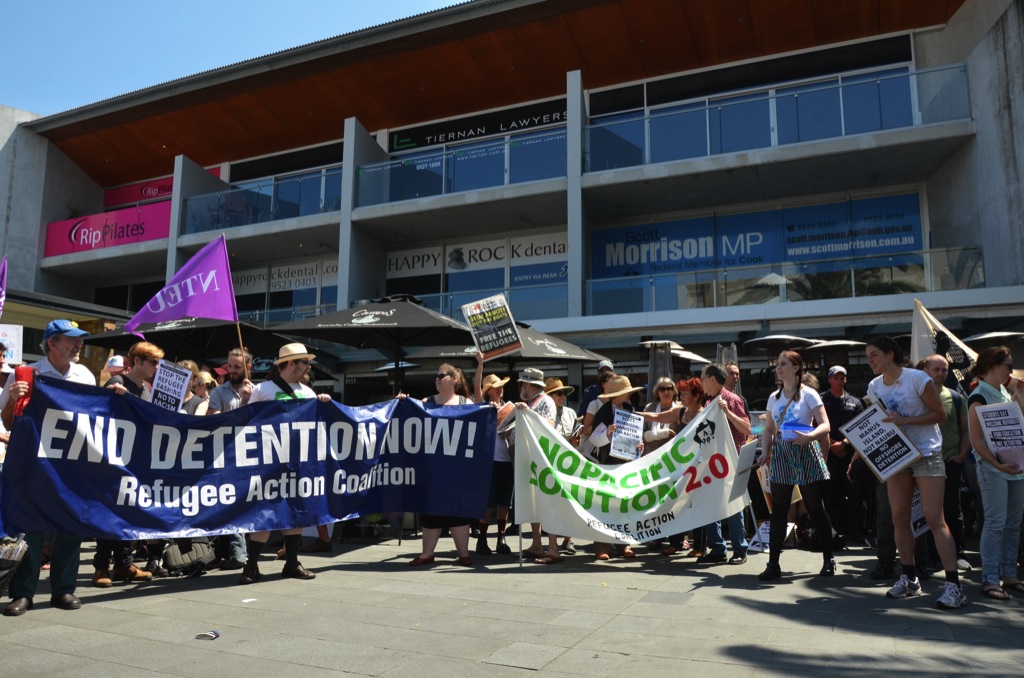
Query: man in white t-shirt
[532, 396]
[291, 367]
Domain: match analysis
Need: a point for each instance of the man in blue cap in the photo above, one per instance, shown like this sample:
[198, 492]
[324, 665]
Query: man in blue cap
[62, 345]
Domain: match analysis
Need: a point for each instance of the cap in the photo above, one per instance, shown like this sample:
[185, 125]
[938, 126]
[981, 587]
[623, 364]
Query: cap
[836, 369]
[67, 327]
[115, 364]
[605, 364]
[222, 371]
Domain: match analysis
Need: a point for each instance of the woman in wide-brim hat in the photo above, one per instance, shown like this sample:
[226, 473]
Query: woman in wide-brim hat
[616, 396]
[565, 417]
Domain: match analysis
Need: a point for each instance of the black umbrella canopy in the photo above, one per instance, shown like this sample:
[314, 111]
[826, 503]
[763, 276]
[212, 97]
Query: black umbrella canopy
[196, 339]
[389, 324]
[536, 346]
[775, 343]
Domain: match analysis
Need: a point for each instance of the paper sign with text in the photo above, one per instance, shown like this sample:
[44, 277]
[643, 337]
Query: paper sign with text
[494, 330]
[882, 445]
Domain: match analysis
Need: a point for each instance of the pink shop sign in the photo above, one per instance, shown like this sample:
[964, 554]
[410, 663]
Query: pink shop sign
[108, 229]
[142, 191]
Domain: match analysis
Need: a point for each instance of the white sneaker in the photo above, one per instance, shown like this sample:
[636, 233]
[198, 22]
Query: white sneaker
[963, 565]
[952, 598]
[904, 588]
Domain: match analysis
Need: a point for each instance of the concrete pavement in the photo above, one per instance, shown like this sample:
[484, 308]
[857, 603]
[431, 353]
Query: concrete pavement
[368, 613]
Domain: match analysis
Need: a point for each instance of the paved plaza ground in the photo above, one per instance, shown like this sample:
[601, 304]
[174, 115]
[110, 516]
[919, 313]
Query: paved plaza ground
[368, 613]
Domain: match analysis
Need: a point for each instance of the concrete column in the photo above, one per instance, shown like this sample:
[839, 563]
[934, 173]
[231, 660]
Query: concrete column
[576, 117]
[360, 258]
[190, 179]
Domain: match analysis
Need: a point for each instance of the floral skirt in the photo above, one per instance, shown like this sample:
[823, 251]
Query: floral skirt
[794, 464]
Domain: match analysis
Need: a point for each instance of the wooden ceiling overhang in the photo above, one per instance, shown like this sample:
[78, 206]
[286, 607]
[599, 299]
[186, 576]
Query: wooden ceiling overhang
[470, 57]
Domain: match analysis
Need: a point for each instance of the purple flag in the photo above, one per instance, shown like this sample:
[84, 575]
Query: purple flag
[3, 283]
[201, 289]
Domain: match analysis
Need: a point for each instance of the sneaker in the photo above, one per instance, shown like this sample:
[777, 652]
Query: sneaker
[568, 547]
[963, 565]
[952, 598]
[101, 579]
[131, 573]
[904, 588]
[482, 548]
[711, 559]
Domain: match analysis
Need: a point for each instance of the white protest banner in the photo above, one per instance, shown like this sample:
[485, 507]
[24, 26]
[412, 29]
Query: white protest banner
[170, 384]
[11, 337]
[1003, 426]
[494, 330]
[687, 483]
[882, 445]
[629, 428]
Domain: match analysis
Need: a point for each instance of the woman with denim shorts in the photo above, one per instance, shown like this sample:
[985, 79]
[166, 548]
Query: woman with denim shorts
[911, 401]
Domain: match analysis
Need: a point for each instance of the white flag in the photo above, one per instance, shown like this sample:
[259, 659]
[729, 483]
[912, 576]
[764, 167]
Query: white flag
[929, 336]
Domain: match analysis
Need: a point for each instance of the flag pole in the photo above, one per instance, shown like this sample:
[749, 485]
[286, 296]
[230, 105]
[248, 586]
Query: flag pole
[241, 345]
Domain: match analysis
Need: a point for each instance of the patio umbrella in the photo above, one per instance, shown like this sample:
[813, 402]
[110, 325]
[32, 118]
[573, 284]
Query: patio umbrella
[389, 325]
[537, 346]
[987, 339]
[196, 339]
[774, 343]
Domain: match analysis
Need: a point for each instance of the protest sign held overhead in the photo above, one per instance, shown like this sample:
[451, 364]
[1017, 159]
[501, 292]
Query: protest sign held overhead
[494, 330]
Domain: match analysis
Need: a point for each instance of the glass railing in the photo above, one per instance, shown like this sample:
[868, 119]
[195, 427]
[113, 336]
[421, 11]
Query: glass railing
[294, 196]
[513, 160]
[781, 115]
[927, 271]
[527, 302]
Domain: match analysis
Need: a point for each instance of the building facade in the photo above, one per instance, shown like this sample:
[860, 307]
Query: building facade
[620, 169]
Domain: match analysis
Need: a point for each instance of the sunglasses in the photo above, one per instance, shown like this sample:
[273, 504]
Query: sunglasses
[662, 389]
[440, 375]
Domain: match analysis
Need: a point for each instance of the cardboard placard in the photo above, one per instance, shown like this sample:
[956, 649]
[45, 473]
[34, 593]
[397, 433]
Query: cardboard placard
[170, 384]
[494, 330]
[1003, 427]
[628, 433]
[881, 444]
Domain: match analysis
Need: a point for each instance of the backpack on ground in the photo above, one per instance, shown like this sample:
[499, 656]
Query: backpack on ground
[188, 557]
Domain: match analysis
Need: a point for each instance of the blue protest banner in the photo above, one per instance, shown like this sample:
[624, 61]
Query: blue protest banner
[83, 460]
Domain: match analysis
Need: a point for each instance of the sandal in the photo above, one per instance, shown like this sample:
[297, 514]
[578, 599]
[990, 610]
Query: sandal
[1017, 586]
[603, 556]
[627, 552]
[548, 560]
[995, 592]
[669, 551]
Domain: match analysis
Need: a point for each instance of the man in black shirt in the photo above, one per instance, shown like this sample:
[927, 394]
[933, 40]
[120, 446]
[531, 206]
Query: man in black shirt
[845, 499]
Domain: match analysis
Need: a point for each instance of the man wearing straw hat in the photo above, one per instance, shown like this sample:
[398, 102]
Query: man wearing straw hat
[490, 390]
[290, 368]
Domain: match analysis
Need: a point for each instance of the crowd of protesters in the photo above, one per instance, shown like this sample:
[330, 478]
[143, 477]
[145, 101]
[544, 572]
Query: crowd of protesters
[801, 446]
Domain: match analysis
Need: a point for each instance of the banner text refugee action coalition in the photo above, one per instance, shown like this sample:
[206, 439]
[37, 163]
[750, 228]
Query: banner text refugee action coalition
[85, 461]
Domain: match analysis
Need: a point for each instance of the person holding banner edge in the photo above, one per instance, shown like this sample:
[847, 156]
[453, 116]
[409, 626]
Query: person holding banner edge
[451, 390]
[62, 344]
[1001, 484]
[796, 460]
[286, 383]
[911, 401]
[491, 390]
[533, 397]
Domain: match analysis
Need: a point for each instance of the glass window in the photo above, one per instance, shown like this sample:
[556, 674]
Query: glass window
[808, 112]
[679, 132]
[332, 190]
[473, 166]
[740, 123]
[615, 141]
[418, 176]
[533, 157]
[876, 101]
[310, 187]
